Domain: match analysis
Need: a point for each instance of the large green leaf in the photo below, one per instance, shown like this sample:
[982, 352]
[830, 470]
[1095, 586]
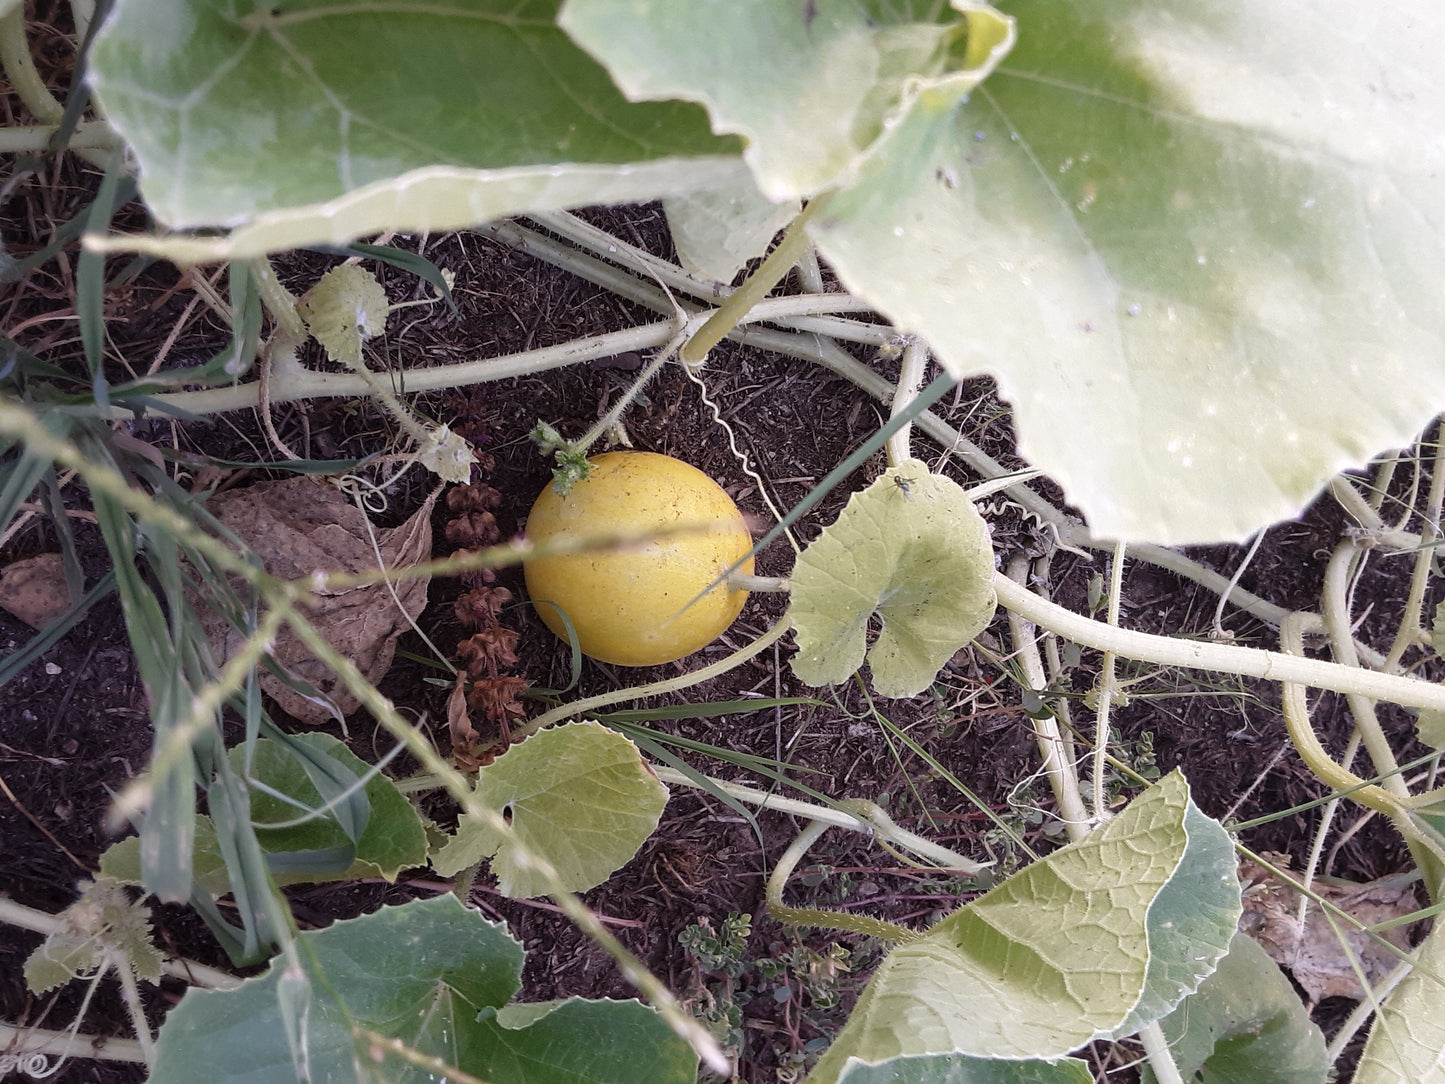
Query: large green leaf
[578, 795]
[1199, 245]
[809, 86]
[910, 548]
[430, 974]
[1075, 947]
[1245, 1025]
[1407, 1039]
[320, 120]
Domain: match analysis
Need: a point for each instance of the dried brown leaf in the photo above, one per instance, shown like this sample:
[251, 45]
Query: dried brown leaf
[480, 606]
[489, 651]
[459, 721]
[473, 529]
[496, 700]
[1314, 953]
[302, 525]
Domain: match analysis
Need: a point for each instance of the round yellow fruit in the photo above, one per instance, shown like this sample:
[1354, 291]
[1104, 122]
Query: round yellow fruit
[630, 605]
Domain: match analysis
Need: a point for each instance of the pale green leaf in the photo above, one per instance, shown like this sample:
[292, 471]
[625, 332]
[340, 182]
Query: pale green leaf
[578, 795]
[321, 122]
[1430, 728]
[952, 1069]
[1192, 921]
[1199, 245]
[1437, 629]
[448, 455]
[101, 926]
[910, 548]
[1058, 954]
[808, 86]
[1245, 1025]
[718, 230]
[346, 307]
[1407, 1039]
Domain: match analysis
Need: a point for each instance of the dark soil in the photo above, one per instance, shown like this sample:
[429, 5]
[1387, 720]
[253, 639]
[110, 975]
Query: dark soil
[74, 724]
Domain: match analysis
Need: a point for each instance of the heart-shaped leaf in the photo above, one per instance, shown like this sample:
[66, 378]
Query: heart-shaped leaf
[579, 795]
[1083, 944]
[911, 549]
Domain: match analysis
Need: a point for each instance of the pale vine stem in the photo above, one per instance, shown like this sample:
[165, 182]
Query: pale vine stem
[855, 815]
[910, 383]
[1221, 658]
[20, 69]
[813, 916]
[1160, 1059]
[1335, 608]
[1058, 766]
[1107, 686]
[1411, 631]
[65, 1044]
[596, 265]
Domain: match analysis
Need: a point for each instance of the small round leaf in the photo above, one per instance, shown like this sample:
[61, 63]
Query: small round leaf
[911, 549]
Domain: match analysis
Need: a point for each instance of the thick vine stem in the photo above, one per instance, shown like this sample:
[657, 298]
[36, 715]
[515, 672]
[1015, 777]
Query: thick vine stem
[910, 383]
[1221, 658]
[1369, 518]
[1156, 1048]
[20, 69]
[813, 916]
[89, 135]
[63, 1044]
[1058, 765]
[1302, 735]
[1335, 608]
[28, 918]
[316, 384]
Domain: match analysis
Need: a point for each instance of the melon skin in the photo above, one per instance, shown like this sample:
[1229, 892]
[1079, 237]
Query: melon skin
[629, 606]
